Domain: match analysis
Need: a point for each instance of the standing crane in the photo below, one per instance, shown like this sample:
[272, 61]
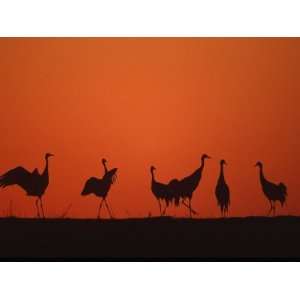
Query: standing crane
[222, 191]
[274, 192]
[101, 187]
[188, 184]
[33, 183]
[177, 190]
[159, 190]
[166, 192]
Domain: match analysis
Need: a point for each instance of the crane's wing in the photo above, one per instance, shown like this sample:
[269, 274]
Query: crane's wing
[90, 186]
[35, 172]
[110, 175]
[112, 171]
[190, 183]
[175, 190]
[19, 176]
[226, 193]
[160, 190]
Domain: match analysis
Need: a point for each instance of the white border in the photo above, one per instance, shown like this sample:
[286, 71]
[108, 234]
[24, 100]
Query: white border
[149, 18]
[149, 281]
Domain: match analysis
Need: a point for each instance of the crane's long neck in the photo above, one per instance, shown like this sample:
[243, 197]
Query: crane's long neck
[152, 175]
[202, 165]
[261, 174]
[198, 173]
[46, 172]
[105, 168]
[222, 172]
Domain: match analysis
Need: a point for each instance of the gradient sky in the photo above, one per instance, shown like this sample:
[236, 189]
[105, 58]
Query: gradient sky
[150, 101]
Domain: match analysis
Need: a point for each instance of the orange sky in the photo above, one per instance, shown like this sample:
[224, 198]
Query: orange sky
[144, 101]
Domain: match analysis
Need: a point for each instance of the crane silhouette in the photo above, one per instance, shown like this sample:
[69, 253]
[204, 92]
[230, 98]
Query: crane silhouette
[177, 190]
[274, 192]
[165, 192]
[188, 184]
[159, 190]
[222, 191]
[33, 183]
[101, 187]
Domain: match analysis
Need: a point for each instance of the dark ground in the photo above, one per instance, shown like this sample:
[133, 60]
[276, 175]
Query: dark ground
[153, 238]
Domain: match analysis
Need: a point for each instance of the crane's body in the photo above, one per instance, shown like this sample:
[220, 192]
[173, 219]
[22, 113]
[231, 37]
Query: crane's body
[273, 192]
[159, 190]
[222, 191]
[177, 190]
[101, 186]
[33, 183]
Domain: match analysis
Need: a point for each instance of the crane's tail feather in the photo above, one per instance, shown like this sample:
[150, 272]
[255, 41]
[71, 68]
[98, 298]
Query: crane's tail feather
[3, 182]
[283, 189]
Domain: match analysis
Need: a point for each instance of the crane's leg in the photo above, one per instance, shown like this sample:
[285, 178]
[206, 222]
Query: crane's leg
[165, 210]
[99, 209]
[159, 206]
[271, 208]
[110, 214]
[192, 211]
[41, 201]
[190, 207]
[186, 205]
[37, 207]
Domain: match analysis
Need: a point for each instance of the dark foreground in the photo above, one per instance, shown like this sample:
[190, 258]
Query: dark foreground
[153, 238]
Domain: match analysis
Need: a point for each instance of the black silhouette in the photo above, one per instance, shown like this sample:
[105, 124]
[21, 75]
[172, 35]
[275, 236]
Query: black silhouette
[274, 192]
[100, 187]
[104, 161]
[188, 184]
[34, 184]
[166, 192]
[159, 190]
[177, 190]
[222, 191]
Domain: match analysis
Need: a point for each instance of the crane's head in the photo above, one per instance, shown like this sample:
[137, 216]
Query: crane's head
[47, 155]
[104, 161]
[223, 162]
[152, 169]
[258, 164]
[205, 156]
